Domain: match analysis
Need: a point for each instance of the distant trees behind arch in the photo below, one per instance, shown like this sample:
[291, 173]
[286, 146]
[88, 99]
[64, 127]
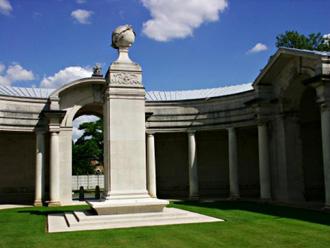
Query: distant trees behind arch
[88, 148]
[313, 41]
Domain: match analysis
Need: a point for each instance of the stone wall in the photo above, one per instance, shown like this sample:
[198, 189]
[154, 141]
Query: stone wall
[89, 182]
[20, 114]
[248, 162]
[17, 167]
[204, 114]
[171, 165]
[212, 157]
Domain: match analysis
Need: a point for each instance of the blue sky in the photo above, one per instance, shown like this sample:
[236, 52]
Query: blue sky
[199, 44]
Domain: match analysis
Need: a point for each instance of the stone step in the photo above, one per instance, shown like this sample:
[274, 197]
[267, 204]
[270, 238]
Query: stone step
[86, 217]
[72, 221]
[68, 222]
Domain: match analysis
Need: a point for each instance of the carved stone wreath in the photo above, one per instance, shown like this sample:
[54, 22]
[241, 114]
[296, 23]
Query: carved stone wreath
[125, 78]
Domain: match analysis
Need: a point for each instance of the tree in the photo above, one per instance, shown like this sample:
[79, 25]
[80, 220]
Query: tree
[88, 147]
[314, 41]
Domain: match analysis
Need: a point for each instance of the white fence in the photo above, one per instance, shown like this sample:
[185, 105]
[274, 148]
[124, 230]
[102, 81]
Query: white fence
[87, 181]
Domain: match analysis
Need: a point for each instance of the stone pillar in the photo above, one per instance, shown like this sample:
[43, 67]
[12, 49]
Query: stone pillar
[288, 145]
[193, 170]
[40, 168]
[151, 165]
[106, 141]
[54, 119]
[325, 126]
[126, 189]
[124, 134]
[233, 163]
[264, 166]
[54, 170]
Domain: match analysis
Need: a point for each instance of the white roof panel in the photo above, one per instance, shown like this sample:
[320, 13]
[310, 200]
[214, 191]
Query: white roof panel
[150, 95]
[197, 94]
[25, 92]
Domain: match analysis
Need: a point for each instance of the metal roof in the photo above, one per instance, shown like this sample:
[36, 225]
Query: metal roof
[197, 94]
[150, 95]
[25, 92]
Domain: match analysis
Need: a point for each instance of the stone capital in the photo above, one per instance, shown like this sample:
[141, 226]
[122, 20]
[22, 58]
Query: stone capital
[231, 129]
[54, 119]
[292, 115]
[191, 132]
[40, 130]
[321, 83]
[262, 121]
[150, 132]
[325, 106]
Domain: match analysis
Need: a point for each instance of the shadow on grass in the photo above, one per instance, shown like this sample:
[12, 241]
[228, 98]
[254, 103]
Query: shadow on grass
[312, 216]
[44, 211]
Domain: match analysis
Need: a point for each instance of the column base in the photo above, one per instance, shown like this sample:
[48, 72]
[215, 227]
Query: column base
[265, 200]
[326, 208]
[54, 204]
[194, 197]
[38, 203]
[234, 197]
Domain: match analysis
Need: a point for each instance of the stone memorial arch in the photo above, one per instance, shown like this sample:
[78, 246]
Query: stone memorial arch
[67, 103]
[268, 140]
[120, 98]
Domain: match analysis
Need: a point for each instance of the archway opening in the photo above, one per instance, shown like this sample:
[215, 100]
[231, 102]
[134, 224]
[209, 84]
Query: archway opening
[87, 153]
[310, 125]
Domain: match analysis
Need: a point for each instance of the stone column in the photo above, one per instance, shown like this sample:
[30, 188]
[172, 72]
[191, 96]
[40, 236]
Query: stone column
[54, 170]
[40, 168]
[233, 163]
[151, 164]
[193, 170]
[106, 145]
[325, 126]
[264, 167]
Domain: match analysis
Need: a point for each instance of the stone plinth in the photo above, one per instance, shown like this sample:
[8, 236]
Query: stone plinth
[128, 206]
[79, 221]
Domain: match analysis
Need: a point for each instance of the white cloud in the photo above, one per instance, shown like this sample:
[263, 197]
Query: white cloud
[65, 76]
[14, 73]
[173, 19]
[82, 16]
[4, 81]
[5, 7]
[259, 47]
[17, 73]
[76, 133]
[2, 68]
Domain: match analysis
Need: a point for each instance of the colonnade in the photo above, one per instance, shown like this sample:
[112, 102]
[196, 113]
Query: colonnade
[265, 184]
[264, 162]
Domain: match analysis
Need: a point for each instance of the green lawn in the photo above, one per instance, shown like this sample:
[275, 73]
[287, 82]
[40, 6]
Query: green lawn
[247, 225]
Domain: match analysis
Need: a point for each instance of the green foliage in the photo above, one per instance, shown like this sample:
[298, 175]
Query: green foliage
[292, 39]
[88, 147]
